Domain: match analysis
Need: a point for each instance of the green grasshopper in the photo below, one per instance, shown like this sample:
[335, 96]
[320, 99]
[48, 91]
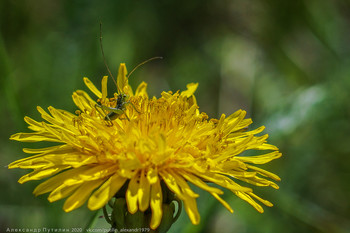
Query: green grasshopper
[122, 99]
[114, 113]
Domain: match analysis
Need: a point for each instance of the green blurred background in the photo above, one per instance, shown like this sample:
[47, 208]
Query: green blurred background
[286, 62]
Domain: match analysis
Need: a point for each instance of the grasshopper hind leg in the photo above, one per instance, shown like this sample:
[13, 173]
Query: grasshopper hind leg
[109, 122]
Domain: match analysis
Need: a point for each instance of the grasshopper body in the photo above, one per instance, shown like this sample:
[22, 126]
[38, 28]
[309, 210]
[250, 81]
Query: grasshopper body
[114, 113]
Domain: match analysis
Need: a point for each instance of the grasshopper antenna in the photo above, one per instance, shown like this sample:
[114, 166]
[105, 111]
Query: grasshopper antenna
[104, 58]
[142, 63]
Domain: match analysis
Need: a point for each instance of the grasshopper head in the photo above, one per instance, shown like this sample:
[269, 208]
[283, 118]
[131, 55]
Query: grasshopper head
[121, 98]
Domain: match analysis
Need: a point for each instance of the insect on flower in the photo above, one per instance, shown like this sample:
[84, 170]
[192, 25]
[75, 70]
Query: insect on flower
[121, 98]
[144, 167]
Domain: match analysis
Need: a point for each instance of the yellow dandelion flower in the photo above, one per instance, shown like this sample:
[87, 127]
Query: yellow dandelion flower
[152, 145]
